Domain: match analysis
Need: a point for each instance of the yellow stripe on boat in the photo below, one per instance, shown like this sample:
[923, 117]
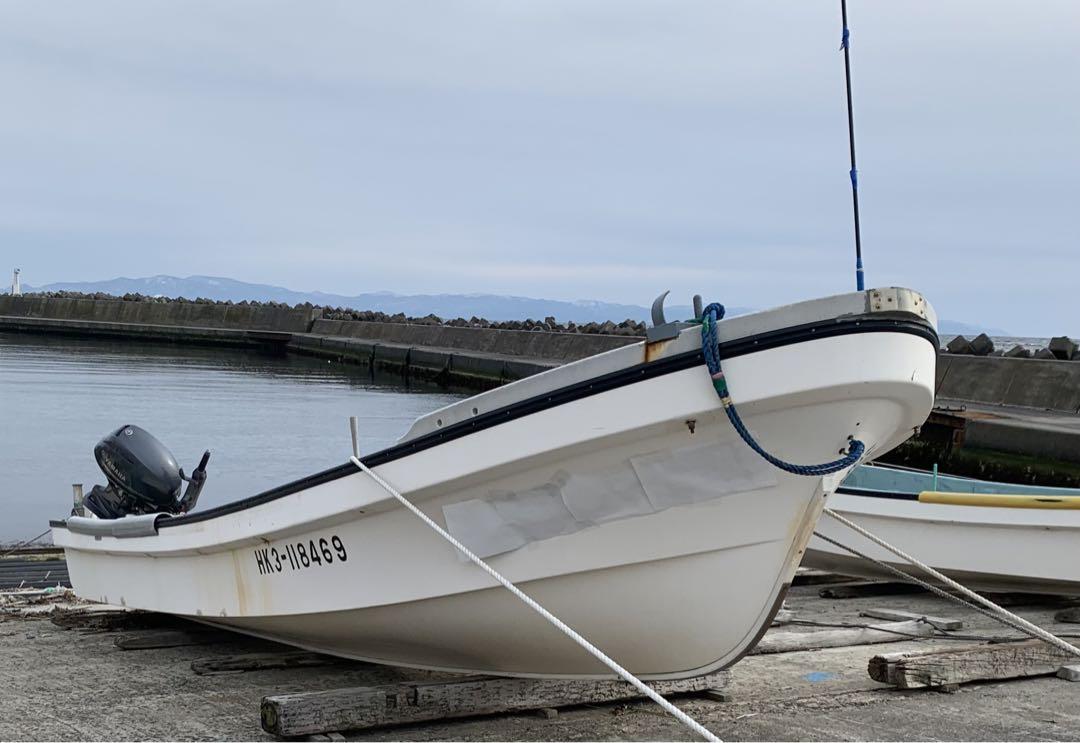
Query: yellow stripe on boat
[1001, 500]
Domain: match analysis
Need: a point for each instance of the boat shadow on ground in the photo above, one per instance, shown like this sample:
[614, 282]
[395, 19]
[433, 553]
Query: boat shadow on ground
[114, 673]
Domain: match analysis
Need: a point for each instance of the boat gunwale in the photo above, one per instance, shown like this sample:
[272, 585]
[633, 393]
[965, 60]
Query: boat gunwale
[1001, 500]
[883, 494]
[956, 498]
[837, 326]
[912, 511]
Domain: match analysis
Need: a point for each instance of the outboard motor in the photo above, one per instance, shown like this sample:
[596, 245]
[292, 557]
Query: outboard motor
[143, 477]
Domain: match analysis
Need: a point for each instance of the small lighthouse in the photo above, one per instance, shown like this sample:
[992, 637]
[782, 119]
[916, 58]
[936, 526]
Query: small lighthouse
[16, 290]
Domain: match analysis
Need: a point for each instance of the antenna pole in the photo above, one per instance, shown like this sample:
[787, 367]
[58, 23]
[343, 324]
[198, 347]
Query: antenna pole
[845, 46]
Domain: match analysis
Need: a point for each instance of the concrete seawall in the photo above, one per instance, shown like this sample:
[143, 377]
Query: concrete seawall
[1027, 407]
[176, 314]
[994, 380]
[474, 357]
[562, 347]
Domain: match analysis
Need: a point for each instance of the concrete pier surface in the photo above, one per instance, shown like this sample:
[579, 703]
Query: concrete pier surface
[77, 684]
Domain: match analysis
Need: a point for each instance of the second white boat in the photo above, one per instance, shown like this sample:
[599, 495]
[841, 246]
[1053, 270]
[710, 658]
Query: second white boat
[989, 536]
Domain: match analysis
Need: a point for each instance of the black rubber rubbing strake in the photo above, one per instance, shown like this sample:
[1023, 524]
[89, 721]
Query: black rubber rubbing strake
[889, 494]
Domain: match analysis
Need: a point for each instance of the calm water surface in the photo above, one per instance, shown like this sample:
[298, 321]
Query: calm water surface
[267, 419]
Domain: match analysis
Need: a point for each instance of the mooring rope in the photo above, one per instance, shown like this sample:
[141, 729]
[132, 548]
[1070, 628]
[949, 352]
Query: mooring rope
[630, 678]
[710, 347]
[906, 576]
[25, 542]
[1002, 614]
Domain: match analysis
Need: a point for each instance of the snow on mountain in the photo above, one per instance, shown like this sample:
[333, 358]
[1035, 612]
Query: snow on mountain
[489, 306]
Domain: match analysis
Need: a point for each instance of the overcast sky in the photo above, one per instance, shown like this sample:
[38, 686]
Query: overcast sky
[569, 150]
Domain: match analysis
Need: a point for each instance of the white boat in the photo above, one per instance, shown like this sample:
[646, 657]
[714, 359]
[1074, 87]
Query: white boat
[613, 490]
[987, 535]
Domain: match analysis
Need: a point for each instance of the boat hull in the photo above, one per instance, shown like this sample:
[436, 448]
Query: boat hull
[987, 548]
[679, 544]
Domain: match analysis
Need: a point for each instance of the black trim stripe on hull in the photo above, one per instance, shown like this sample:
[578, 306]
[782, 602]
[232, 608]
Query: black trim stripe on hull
[571, 393]
[886, 494]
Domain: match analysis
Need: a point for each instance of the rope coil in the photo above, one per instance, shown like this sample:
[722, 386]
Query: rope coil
[710, 348]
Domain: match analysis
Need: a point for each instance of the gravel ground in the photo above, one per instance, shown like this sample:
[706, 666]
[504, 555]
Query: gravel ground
[61, 684]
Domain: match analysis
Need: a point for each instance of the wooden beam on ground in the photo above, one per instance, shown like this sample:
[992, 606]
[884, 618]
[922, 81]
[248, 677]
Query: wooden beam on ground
[1024, 599]
[791, 642]
[783, 616]
[1071, 616]
[960, 665]
[863, 590]
[288, 715]
[262, 662]
[815, 577]
[945, 623]
[173, 639]
[717, 695]
[15, 593]
[110, 619]
[1069, 673]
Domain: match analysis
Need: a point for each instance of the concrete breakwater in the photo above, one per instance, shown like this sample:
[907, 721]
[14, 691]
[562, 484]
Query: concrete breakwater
[451, 353]
[471, 356]
[474, 355]
[172, 314]
[1042, 384]
[1001, 418]
[1060, 347]
[1007, 399]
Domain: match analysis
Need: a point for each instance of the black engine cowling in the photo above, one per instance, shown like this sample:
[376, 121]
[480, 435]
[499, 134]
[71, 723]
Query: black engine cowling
[143, 477]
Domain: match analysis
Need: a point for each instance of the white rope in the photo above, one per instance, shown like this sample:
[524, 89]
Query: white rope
[26, 542]
[1013, 620]
[630, 678]
[906, 576]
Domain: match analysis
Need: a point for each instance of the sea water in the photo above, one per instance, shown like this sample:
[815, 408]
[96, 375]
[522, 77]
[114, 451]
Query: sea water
[267, 419]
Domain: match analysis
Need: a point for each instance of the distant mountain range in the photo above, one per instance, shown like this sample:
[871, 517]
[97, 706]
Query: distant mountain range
[447, 306]
[489, 306]
[949, 328]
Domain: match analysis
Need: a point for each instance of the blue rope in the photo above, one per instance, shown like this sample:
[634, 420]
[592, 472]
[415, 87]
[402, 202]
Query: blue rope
[710, 347]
